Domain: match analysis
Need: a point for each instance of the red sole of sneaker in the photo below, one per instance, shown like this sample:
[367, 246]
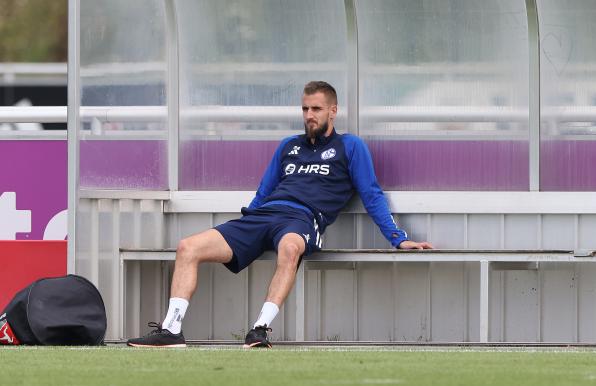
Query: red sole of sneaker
[165, 346]
[255, 345]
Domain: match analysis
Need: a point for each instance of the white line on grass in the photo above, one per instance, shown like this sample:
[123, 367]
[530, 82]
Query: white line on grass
[591, 350]
[365, 381]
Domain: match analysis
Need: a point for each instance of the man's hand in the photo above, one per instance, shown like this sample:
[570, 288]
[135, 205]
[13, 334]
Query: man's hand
[408, 244]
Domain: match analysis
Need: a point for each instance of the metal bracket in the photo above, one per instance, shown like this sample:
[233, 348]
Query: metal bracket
[584, 253]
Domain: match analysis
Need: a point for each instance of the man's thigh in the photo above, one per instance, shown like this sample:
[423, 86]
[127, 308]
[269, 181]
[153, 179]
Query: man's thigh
[304, 227]
[248, 239]
[261, 230]
[209, 244]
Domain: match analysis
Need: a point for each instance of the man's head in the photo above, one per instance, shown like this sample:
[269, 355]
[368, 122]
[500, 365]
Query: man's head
[319, 108]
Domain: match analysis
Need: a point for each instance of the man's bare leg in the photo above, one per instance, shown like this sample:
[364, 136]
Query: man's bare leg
[289, 250]
[208, 246]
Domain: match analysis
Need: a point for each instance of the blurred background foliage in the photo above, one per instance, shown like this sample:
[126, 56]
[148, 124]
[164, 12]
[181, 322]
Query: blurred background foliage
[33, 30]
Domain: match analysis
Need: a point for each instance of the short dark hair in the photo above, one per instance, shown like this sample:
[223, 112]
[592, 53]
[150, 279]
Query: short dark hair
[320, 86]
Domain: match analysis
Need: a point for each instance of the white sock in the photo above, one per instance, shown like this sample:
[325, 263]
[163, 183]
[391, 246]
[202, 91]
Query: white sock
[268, 313]
[176, 311]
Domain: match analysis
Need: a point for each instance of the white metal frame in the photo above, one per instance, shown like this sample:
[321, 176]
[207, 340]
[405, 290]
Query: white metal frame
[401, 202]
[173, 93]
[74, 101]
[439, 202]
[484, 257]
[534, 93]
[34, 74]
[58, 114]
[405, 202]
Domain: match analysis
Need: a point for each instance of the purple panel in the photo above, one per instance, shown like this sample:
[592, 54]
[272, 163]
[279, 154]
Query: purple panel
[224, 165]
[36, 171]
[568, 165]
[451, 165]
[123, 164]
[400, 165]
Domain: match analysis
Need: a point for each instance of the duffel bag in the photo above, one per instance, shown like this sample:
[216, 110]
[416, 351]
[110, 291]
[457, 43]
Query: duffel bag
[60, 311]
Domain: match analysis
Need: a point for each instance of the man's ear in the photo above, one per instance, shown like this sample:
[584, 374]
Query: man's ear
[333, 111]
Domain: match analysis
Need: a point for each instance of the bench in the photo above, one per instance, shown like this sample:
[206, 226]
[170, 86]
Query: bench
[488, 259]
[521, 214]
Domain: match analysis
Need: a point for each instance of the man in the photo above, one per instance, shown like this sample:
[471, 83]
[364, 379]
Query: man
[309, 180]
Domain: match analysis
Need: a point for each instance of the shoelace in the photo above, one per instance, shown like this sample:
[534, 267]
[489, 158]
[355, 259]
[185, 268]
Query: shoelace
[267, 329]
[156, 328]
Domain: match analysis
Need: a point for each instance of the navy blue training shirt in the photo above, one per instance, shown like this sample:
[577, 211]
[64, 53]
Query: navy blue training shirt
[323, 177]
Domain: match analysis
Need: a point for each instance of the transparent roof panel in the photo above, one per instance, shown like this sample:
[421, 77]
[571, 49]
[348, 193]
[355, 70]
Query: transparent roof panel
[443, 57]
[568, 94]
[444, 93]
[123, 95]
[242, 71]
[122, 49]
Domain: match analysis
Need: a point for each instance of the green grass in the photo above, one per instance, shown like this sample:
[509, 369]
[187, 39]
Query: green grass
[294, 366]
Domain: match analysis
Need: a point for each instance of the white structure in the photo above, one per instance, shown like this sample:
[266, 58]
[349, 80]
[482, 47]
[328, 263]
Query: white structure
[479, 117]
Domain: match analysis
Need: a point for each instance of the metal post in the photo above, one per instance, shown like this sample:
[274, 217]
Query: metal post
[116, 298]
[352, 57]
[300, 304]
[74, 100]
[122, 298]
[534, 94]
[173, 93]
[132, 281]
[484, 283]
[93, 274]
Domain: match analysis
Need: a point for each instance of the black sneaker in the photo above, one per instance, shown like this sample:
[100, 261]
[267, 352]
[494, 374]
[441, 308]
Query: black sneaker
[158, 338]
[257, 337]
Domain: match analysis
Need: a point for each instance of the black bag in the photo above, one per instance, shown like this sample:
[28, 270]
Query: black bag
[60, 311]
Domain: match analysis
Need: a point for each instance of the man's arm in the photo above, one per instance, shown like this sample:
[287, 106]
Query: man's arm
[364, 179]
[271, 177]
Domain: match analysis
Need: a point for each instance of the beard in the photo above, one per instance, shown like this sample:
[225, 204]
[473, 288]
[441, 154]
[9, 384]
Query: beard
[317, 131]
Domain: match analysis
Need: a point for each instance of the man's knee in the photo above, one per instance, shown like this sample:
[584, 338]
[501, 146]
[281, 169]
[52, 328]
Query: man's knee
[289, 251]
[189, 249]
[185, 249]
[208, 246]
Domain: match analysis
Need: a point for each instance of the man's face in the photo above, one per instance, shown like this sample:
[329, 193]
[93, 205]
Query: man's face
[318, 114]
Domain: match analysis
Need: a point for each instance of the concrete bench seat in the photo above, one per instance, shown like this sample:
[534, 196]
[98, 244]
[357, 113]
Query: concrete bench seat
[328, 258]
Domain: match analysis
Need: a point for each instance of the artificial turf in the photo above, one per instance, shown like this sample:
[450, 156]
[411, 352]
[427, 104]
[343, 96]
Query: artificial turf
[117, 365]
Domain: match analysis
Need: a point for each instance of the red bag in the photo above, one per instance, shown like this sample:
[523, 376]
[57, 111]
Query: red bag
[6, 334]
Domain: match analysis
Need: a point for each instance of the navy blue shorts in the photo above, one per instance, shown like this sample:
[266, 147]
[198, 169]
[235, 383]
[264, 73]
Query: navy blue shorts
[261, 229]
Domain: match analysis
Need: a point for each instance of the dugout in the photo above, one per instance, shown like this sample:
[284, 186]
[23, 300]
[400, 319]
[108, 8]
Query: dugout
[479, 115]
